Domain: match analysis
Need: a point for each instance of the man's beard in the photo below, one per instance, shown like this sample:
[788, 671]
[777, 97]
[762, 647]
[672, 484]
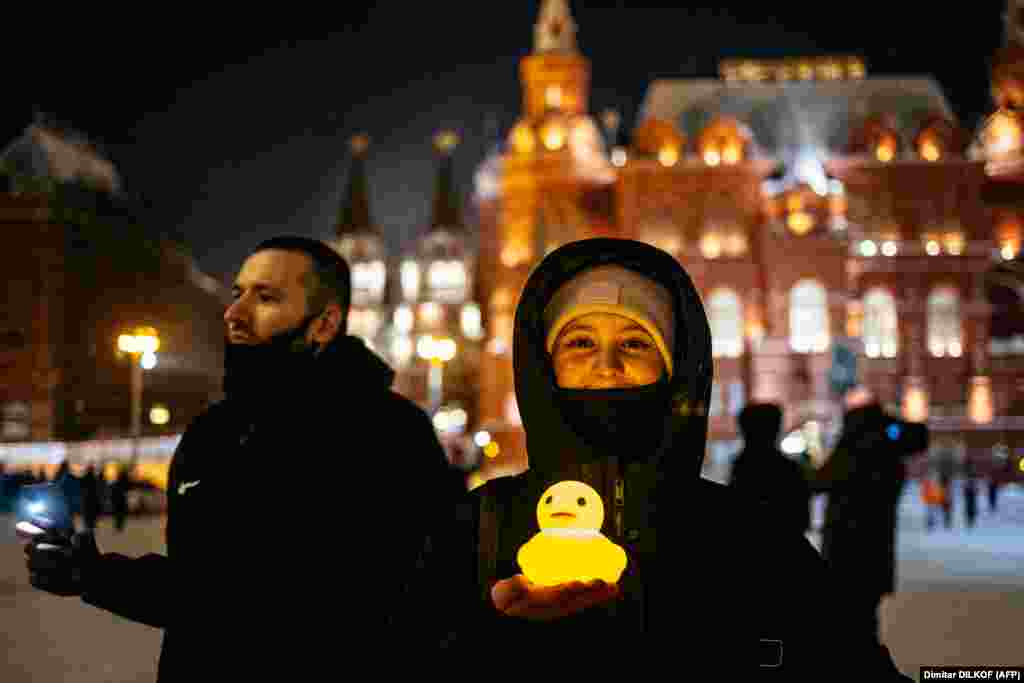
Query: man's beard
[263, 373]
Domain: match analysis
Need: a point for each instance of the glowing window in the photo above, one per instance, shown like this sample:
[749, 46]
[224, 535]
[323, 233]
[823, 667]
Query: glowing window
[881, 335]
[808, 317]
[410, 278]
[944, 330]
[471, 319]
[725, 315]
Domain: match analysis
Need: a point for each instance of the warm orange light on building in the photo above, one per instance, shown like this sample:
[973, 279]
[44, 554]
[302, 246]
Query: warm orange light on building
[553, 135]
[800, 222]
[885, 150]
[854, 319]
[523, 139]
[735, 244]
[794, 202]
[837, 204]
[954, 243]
[915, 401]
[1008, 237]
[930, 150]
[751, 71]
[830, 70]
[513, 255]
[553, 97]
[979, 401]
[659, 138]
[755, 331]
[1003, 134]
[711, 245]
[723, 140]
[731, 152]
[668, 155]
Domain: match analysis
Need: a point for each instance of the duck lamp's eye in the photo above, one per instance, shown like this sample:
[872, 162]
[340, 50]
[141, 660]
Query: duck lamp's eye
[548, 500]
[581, 501]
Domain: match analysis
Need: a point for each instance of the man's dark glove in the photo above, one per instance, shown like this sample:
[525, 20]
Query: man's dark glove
[60, 563]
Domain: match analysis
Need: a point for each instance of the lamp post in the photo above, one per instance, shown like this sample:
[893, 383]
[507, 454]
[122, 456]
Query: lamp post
[438, 352]
[141, 346]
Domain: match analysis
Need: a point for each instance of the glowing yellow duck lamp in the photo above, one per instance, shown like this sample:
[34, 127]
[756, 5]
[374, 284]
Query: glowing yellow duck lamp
[570, 545]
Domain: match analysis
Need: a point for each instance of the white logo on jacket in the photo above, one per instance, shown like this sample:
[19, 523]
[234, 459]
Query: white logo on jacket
[184, 486]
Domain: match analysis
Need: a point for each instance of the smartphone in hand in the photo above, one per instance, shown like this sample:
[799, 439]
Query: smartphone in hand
[42, 509]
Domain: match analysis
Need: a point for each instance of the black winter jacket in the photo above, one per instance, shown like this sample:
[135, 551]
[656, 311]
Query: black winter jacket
[710, 583]
[294, 529]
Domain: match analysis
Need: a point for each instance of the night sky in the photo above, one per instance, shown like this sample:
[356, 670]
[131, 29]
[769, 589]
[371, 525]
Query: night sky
[235, 127]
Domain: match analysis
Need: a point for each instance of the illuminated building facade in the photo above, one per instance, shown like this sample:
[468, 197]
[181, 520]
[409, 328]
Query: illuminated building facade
[821, 212]
[80, 271]
[418, 311]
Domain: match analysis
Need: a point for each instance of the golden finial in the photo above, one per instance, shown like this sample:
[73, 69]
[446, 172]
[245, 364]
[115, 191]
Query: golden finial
[446, 140]
[359, 143]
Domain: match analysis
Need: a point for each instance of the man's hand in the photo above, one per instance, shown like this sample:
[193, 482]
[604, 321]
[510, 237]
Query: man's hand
[518, 597]
[58, 563]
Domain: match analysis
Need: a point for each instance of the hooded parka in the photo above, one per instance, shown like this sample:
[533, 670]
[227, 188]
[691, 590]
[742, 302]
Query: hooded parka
[703, 586]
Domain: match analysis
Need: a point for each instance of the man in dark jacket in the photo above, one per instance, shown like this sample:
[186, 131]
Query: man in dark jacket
[763, 473]
[265, 578]
[612, 360]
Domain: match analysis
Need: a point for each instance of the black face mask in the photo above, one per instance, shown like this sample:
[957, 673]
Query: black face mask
[260, 372]
[624, 423]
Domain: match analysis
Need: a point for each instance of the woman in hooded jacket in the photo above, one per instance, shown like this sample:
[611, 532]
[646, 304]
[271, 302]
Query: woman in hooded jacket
[613, 370]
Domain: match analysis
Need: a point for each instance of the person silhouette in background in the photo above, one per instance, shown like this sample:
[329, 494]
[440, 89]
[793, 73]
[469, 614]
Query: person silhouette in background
[932, 496]
[763, 473]
[970, 492]
[119, 496]
[90, 498]
[945, 467]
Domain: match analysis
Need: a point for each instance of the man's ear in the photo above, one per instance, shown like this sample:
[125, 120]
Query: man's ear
[328, 325]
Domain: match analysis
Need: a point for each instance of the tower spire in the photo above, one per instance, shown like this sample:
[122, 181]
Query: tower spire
[555, 30]
[1013, 23]
[354, 213]
[555, 76]
[446, 212]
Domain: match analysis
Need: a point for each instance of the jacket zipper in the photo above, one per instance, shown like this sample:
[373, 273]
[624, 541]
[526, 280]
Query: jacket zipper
[620, 505]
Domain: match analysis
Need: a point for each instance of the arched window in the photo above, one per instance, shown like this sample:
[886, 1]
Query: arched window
[808, 317]
[944, 333]
[881, 337]
[725, 315]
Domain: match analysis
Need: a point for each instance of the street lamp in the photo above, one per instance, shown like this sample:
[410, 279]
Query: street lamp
[438, 352]
[142, 346]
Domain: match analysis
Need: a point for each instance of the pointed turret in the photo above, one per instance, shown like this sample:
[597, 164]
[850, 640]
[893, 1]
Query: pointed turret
[360, 243]
[1007, 79]
[555, 31]
[555, 75]
[1013, 24]
[354, 212]
[447, 211]
[445, 255]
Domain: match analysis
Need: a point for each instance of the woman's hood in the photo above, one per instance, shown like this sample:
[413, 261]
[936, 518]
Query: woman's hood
[680, 409]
